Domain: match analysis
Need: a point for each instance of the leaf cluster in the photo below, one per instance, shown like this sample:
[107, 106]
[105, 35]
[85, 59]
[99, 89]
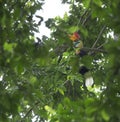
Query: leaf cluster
[41, 79]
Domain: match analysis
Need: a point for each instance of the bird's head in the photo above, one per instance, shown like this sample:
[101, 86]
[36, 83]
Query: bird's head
[75, 36]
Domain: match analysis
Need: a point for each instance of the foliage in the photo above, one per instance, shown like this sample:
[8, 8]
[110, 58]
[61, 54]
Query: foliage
[41, 80]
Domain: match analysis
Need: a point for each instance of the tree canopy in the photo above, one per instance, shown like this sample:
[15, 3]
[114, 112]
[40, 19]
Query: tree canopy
[41, 79]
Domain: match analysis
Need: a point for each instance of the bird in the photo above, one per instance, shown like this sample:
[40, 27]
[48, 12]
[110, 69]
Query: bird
[78, 46]
[77, 43]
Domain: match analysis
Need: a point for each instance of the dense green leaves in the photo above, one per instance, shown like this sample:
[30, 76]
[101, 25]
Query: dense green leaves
[41, 79]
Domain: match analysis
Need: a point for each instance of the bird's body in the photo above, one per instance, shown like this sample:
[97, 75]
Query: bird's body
[78, 45]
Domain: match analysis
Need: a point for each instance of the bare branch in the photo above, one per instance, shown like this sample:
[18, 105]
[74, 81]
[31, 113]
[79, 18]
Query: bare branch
[85, 12]
[94, 49]
[98, 36]
[85, 20]
[101, 45]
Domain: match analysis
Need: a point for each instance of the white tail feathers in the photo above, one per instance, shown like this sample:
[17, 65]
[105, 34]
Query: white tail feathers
[89, 81]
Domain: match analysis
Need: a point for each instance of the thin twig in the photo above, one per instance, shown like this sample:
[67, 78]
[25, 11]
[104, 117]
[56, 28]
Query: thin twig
[64, 82]
[101, 45]
[86, 18]
[94, 49]
[98, 36]
[85, 12]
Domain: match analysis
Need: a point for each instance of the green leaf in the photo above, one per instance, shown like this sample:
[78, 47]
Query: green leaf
[49, 109]
[74, 62]
[33, 79]
[105, 115]
[84, 31]
[20, 68]
[61, 91]
[9, 46]
[98, 2]
[73, 29]
[87, 61]
[86, 3]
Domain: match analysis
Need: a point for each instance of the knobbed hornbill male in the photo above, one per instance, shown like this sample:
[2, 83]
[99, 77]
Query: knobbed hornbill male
[78, 46]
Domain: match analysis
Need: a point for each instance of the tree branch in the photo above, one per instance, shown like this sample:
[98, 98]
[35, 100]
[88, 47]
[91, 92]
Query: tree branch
[98, 36]
[85, 12]
[101, 45]
[94, 49]
[30, 110]
[85, 20]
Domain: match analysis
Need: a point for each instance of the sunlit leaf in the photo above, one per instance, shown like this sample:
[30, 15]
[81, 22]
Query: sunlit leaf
[49, 109]
[86, 3]
[73, 29]
[98, 2]
[105, 115]
[9, 46]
